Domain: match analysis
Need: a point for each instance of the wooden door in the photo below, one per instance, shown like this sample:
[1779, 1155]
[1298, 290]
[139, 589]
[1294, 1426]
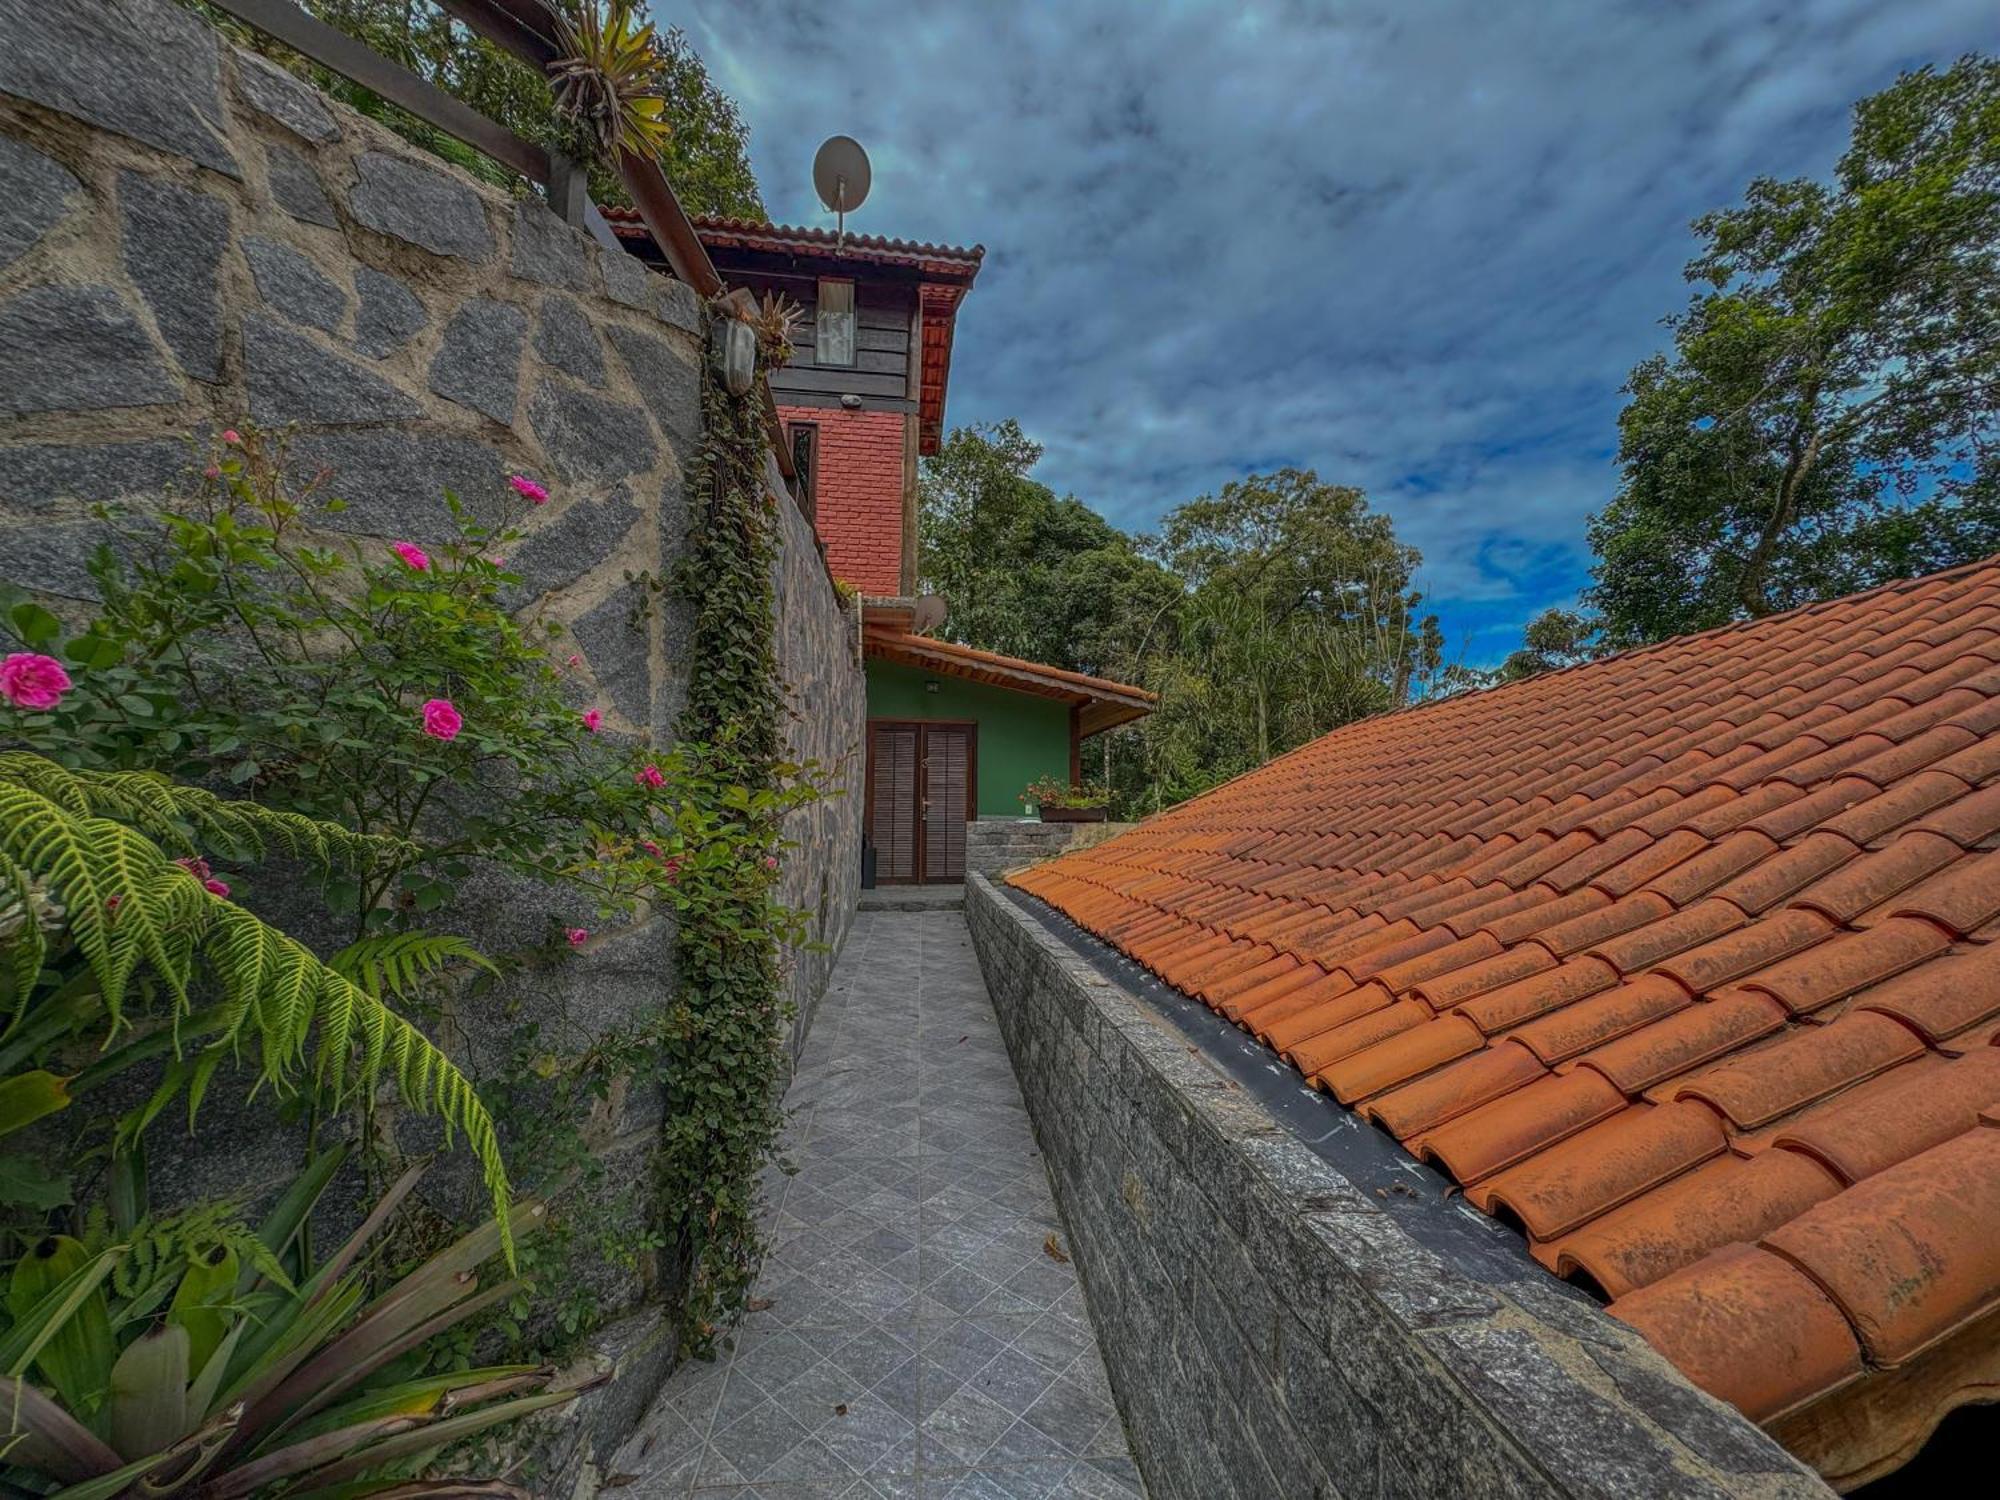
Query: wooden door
[921, 794]
[947, 803]
[892, 801]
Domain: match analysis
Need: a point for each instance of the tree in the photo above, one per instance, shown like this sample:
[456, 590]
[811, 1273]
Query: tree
[1028, 572]
[1829, 414]
[1262, 616]
[706, 159]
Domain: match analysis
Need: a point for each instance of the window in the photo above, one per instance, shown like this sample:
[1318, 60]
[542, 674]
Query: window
[805, 461]
[834, 344]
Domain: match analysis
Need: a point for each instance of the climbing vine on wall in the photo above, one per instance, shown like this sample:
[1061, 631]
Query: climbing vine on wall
[723, 1041]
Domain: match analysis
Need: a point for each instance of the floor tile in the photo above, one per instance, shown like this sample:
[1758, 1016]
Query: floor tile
[913, 1338]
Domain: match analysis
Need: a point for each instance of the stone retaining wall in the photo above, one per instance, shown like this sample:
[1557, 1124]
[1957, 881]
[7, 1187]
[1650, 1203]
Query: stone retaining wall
[996, 844]
[190, 236]
[1272, 1330]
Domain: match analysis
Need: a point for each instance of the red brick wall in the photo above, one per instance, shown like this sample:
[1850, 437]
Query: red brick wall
[860, 493]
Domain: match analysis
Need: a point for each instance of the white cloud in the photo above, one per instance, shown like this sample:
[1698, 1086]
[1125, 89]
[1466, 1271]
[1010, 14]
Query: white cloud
[1416, 247]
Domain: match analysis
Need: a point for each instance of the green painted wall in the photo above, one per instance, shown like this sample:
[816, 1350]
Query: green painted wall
[1021, 737]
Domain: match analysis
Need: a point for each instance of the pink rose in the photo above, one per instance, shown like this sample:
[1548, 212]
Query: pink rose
[497, 560]
[30, 680]
[528, 489]
[212, 472]
[441, 720]
[576, 935]
[770, 862]
[575, 660]
[216, 887]
[412, 554]
[650, 777]
[592, 719]
[231, 436]
[650, 847]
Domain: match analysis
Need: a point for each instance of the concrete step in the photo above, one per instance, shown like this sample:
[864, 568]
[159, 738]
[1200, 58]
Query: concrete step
[913, 898]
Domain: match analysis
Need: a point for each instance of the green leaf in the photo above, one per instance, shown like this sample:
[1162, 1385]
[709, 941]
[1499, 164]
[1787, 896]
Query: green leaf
[148, 1404]
[27, 1182]
[93, 652]
[35, 625]
[27, 1097]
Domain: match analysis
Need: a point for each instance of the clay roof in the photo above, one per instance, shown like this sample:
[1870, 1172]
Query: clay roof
[1683, 961]
[1103, 703]
[953, 261]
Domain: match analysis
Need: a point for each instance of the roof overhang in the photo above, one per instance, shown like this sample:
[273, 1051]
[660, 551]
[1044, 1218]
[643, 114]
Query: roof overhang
[942, 275]
[1100, 703]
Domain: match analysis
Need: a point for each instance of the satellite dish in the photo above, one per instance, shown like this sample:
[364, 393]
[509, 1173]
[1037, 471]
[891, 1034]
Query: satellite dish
[841, 176]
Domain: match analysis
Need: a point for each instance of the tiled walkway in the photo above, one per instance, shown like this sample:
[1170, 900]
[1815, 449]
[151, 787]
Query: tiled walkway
[925, 1335]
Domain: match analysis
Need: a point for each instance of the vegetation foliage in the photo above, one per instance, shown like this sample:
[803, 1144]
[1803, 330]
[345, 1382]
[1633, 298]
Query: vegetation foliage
[696, 132]
[191, 1355]
[1829, 414]
[1263, 615]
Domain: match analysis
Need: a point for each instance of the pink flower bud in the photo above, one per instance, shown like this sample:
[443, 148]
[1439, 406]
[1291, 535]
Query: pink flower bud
[412, 554]
[592, 719]
[231, 436]
[528, 489]
[576, 935]
[650, 777]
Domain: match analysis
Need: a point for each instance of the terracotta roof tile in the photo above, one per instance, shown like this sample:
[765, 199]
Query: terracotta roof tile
[1687, 960]
[1750, 1327]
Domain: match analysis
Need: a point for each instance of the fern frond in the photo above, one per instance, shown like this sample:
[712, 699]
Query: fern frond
[126, 905]
[191, 818]
[399, 963]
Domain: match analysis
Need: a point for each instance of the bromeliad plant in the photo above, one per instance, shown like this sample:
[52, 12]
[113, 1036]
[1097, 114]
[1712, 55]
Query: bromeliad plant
[109, 939]
[606, 82]
[193, 1357]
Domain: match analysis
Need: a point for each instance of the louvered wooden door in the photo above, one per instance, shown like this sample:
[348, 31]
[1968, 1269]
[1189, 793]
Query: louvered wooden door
[947, 764]
[892, 800]
[920, 796]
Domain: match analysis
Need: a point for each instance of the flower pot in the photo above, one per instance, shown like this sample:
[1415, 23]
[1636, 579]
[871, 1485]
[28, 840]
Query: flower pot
[1073, 814]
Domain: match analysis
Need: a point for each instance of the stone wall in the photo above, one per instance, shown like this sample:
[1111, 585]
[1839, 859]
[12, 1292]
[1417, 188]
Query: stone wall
[1272, 1329]
[190, 237]
[819, 654]
[996, 844]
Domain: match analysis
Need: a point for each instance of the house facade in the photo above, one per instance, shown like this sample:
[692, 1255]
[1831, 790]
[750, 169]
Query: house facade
[955, 734]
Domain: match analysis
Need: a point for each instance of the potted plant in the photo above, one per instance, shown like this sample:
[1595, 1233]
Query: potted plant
[1056, 801]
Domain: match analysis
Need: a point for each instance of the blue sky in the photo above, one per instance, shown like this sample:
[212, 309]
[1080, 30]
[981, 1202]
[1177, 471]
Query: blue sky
[1413, 244]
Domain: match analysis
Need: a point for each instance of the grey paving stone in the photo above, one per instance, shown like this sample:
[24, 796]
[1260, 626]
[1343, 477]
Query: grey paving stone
[293, 379]
[277, 95]
[389, 316]
[422, 205]
[77, 348]
[172, 240]
[479, 363]
[35, 192]
[1009, 1399]
[296, 188]
[143, 68]
[293, 285]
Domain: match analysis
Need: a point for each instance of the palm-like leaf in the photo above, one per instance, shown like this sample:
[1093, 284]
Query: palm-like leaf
[286, 1398]
[607, 81]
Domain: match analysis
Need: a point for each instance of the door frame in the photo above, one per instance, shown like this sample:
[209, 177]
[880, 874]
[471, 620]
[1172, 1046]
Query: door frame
[923, 728]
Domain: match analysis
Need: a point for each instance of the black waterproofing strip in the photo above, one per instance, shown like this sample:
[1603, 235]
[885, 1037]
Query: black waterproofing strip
[1424, 1203]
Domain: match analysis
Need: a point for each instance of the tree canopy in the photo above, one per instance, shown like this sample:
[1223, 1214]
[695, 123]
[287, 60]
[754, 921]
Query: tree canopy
[1828, 414]
[706, 159]
[1264, 615]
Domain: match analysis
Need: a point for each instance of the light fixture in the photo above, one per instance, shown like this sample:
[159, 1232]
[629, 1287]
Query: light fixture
[851, 401]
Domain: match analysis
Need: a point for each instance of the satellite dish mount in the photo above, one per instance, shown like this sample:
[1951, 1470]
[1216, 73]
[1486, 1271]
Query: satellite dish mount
[841, 177]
